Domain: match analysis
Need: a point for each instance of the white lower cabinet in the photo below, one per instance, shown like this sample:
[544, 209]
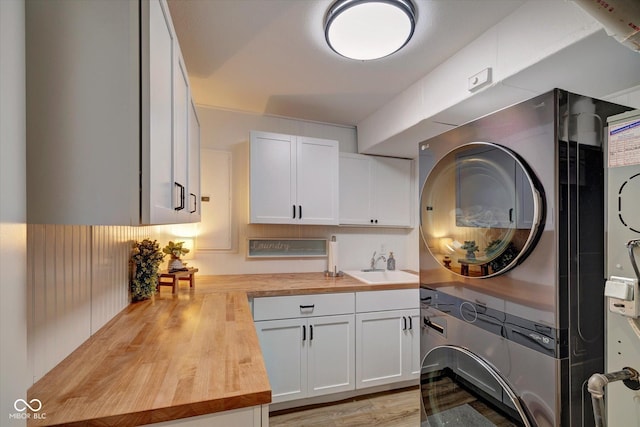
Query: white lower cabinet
[321, 344]
[388, 340]
[307, 355]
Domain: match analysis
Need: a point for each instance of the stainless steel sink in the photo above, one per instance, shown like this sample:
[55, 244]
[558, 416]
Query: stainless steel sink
[382, 277]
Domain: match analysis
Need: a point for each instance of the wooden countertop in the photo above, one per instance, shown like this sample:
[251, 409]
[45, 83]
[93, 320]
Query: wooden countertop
[177, 355]
[261, 285]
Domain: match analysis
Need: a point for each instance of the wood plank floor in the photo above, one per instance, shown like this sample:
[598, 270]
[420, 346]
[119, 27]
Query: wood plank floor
[392, 409]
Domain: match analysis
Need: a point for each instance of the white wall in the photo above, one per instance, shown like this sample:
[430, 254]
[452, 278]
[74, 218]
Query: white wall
[229, 131]
[13, 309]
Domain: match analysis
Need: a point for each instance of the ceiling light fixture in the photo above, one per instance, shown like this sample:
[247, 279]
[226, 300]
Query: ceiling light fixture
[369, 29]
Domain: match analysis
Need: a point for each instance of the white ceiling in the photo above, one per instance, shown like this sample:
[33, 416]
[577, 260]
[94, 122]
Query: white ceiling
[270, 56]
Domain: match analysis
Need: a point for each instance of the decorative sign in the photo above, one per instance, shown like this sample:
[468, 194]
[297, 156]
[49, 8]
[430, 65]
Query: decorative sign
[624, 143]
[286, 248]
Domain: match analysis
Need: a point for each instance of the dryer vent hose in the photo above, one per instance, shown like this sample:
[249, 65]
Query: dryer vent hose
[630, 246]
[596, 384]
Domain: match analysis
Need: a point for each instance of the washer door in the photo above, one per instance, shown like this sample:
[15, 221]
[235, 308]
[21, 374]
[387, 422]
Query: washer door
[459, 388]
[481, 210]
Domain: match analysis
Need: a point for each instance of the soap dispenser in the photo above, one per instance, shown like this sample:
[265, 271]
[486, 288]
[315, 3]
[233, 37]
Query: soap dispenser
[391, 262]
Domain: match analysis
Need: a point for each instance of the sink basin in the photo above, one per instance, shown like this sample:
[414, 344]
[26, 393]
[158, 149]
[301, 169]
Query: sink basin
[383, 277]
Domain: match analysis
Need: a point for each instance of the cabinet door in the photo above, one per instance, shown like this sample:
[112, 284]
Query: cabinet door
[331, 354]
[159, 184]
[392, 190]
[181, 139]
[379, 348]
[412, 363]
[356, 176]
[273, 178]
[317, 181]
[193, 202]
[284, 348]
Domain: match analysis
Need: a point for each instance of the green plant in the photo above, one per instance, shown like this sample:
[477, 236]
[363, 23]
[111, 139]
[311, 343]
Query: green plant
[470, 246]
[493, 246]
[175, 249]
[146, 257]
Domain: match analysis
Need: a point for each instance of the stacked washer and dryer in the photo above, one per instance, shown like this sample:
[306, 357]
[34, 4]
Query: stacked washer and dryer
[512, 265]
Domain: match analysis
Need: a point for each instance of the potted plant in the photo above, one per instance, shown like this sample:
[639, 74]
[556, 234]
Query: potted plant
[146, 257]
[175, 251]
[471, 248]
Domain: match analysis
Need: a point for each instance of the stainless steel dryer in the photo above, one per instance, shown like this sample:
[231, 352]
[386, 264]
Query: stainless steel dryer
[512, 264]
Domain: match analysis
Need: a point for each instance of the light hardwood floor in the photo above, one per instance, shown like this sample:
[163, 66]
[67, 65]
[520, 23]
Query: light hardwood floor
[393, 409]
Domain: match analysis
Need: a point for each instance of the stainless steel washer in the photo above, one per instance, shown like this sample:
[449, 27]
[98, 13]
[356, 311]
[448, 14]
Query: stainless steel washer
[512, 260]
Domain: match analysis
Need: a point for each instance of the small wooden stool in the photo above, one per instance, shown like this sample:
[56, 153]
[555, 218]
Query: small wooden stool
[175, 277]
[464, 267]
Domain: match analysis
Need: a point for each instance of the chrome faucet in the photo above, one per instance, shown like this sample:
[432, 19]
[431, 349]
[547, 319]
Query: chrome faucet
[374, 260]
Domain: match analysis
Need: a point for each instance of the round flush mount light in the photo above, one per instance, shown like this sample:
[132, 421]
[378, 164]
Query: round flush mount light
[369, 29]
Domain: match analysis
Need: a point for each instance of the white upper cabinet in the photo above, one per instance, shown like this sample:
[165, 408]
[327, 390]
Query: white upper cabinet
[193, 202]
[157, 136]
[375, 191]
[294, 179]
[108, 115]
[182, 106]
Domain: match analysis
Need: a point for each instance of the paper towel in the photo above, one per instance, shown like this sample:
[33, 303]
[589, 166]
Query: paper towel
[332, 258]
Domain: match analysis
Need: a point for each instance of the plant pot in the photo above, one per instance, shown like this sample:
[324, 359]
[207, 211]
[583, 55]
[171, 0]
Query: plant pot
[175, 264]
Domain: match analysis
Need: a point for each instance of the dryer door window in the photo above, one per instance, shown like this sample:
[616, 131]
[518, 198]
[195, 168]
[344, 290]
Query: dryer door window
[480, 210]
[459, 388]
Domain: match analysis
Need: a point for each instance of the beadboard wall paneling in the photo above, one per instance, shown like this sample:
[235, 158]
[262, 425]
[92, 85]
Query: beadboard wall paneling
[78, 280]
[111, 247]
[59, 292]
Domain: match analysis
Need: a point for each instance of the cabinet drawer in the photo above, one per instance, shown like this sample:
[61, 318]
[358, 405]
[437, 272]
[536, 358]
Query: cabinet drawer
[286, 307]
[387, 300]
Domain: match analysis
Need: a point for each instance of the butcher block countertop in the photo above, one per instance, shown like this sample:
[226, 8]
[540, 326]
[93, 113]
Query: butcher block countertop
[177, 355]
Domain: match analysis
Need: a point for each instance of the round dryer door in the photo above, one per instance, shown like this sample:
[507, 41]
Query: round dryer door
[480, 210]
[458, 388]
